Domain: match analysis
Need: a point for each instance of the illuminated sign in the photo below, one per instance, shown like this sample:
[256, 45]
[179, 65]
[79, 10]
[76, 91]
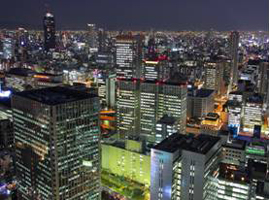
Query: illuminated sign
[41, 76]
[5, 94]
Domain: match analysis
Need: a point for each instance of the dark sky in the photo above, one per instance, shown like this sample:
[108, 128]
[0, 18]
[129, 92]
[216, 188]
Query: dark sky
[140, 14]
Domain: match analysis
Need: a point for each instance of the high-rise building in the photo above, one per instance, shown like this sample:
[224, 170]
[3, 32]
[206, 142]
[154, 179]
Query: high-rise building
[234, 45]
[235, 107]
[128, 108]
[200, 102]
[93, 43]
[158, 99]
[49, 31]
[155, 70]
[140, 104]
[182, 167]
[8, 48]
[128, 56]
[263, 82]
[214, 77]
[102, 41]
[253, 113]
[57, 144]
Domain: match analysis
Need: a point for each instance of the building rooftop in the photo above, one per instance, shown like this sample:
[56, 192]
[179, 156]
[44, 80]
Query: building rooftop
[212, 116]
[55, 95]
[203, 93]
[167, 120]
[195, 143]
[21, 71]
[236, 144]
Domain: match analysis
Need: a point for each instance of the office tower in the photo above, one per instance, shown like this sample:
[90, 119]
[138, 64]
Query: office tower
[173, 101]
[182, 167]
[127, 108]
[153, 70]
[92, 36]
[57, 144]
[149, 105]
[252, 113]
[128, 56]
[200, 102]
[49, 31]
[6, 134]
[234, 45]
[165, 127]
[214, 77]
[158, 99]
[140, 104]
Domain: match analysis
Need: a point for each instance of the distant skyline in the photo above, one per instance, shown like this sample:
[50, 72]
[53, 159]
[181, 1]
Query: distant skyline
[175, 15]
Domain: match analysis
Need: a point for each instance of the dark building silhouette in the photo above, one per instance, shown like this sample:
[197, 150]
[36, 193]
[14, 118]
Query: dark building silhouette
[49, 31]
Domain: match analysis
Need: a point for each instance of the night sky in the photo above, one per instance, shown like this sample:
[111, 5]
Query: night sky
[139, 14]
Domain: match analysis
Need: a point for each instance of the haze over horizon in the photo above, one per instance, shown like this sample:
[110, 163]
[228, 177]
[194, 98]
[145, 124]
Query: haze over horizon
[193, 15]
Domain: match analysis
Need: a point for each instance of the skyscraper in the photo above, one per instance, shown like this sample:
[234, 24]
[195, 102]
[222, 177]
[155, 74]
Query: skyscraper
[234, 44]
[128, 108]
[49, 31]
[182, 165]
[214, 76]
[140, 104]
[128, 56]
[57, 144]
[92, 36]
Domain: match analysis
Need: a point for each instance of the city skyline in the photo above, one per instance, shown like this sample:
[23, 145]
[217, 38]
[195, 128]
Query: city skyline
[139, 15]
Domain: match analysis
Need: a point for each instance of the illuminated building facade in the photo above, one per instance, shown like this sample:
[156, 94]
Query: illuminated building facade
[214, 76]
[127, 108]
[149, 104]
[57, 144]
[165, 127]
[49, 31]
[141, 104]
[200, 102]
[127, 160]
[181, 167]
[234, 152]
[235, 109]
[128, 55]
[155, 70]
[252, 113]
[8, 48]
